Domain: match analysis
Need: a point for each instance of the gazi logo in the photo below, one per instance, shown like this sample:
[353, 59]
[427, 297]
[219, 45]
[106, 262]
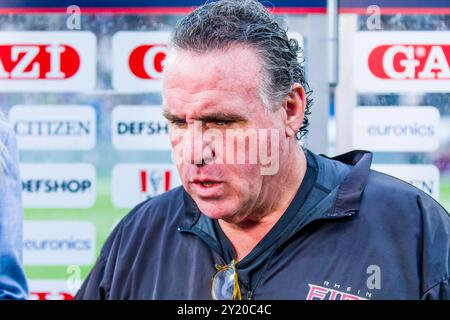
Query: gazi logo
[401, 61]
[146, 61]
[48, 295]
[38, 61]
[65, 61]
[154, 182]
[410, 62]
[139, 60]
[50, 289]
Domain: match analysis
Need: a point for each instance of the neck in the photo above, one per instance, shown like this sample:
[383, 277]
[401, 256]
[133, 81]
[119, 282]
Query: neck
[245, 235]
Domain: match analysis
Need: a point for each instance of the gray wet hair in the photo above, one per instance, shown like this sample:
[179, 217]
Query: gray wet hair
[220, 24]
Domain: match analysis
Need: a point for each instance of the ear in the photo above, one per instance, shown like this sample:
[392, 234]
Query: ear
[294, 106]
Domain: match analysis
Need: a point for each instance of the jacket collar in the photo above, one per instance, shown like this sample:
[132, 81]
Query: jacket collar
[347, 196]
[191, 210]
[350, 190]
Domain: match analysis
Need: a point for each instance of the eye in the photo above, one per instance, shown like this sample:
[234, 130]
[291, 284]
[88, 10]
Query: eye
[179, 122]
[221, 123]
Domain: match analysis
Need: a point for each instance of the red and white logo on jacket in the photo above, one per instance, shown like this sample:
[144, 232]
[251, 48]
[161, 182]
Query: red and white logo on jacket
[47, 61]
[138, 60]
[402, 61]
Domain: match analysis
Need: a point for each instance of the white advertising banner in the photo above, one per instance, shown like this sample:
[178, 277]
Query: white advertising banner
[51, 289]
[47, 61]
[413, 129]
[47, 243]
[406, 61]
[54, 127]
[134, 183]
[138, 60]
[140, 128]
[51, 185]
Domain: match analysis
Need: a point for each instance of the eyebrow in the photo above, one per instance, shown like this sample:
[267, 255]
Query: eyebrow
[221, 116]
[170, 116]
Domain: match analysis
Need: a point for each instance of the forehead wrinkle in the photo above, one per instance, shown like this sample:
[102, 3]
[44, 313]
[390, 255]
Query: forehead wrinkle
[239, 65]
[194, 108]
[189, 96]
[197, 82]
[199, 110]
[220, 94]
[191, 109]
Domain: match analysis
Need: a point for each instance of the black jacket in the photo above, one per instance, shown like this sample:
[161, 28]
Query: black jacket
[359, 234]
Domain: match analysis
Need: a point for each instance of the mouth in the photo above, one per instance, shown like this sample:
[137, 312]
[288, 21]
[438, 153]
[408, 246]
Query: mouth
[206, 183]
[207, 188]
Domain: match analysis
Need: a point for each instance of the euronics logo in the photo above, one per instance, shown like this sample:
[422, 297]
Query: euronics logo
[412, 129]
[401, 130]
[58, 243]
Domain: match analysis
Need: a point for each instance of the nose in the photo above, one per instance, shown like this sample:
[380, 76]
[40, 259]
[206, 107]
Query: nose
[208, 154]
[197, 151]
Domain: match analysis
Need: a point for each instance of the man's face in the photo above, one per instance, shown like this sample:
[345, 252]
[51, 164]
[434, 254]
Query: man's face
[218, 92]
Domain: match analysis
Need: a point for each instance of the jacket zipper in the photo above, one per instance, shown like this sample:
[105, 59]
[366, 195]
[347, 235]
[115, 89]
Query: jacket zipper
[249, 295]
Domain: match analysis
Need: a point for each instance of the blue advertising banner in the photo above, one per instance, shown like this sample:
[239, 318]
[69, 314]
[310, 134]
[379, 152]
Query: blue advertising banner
[145, 6]
[183, 6]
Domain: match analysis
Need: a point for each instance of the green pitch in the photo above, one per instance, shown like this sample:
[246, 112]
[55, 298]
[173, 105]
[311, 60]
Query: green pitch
[445, 193]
